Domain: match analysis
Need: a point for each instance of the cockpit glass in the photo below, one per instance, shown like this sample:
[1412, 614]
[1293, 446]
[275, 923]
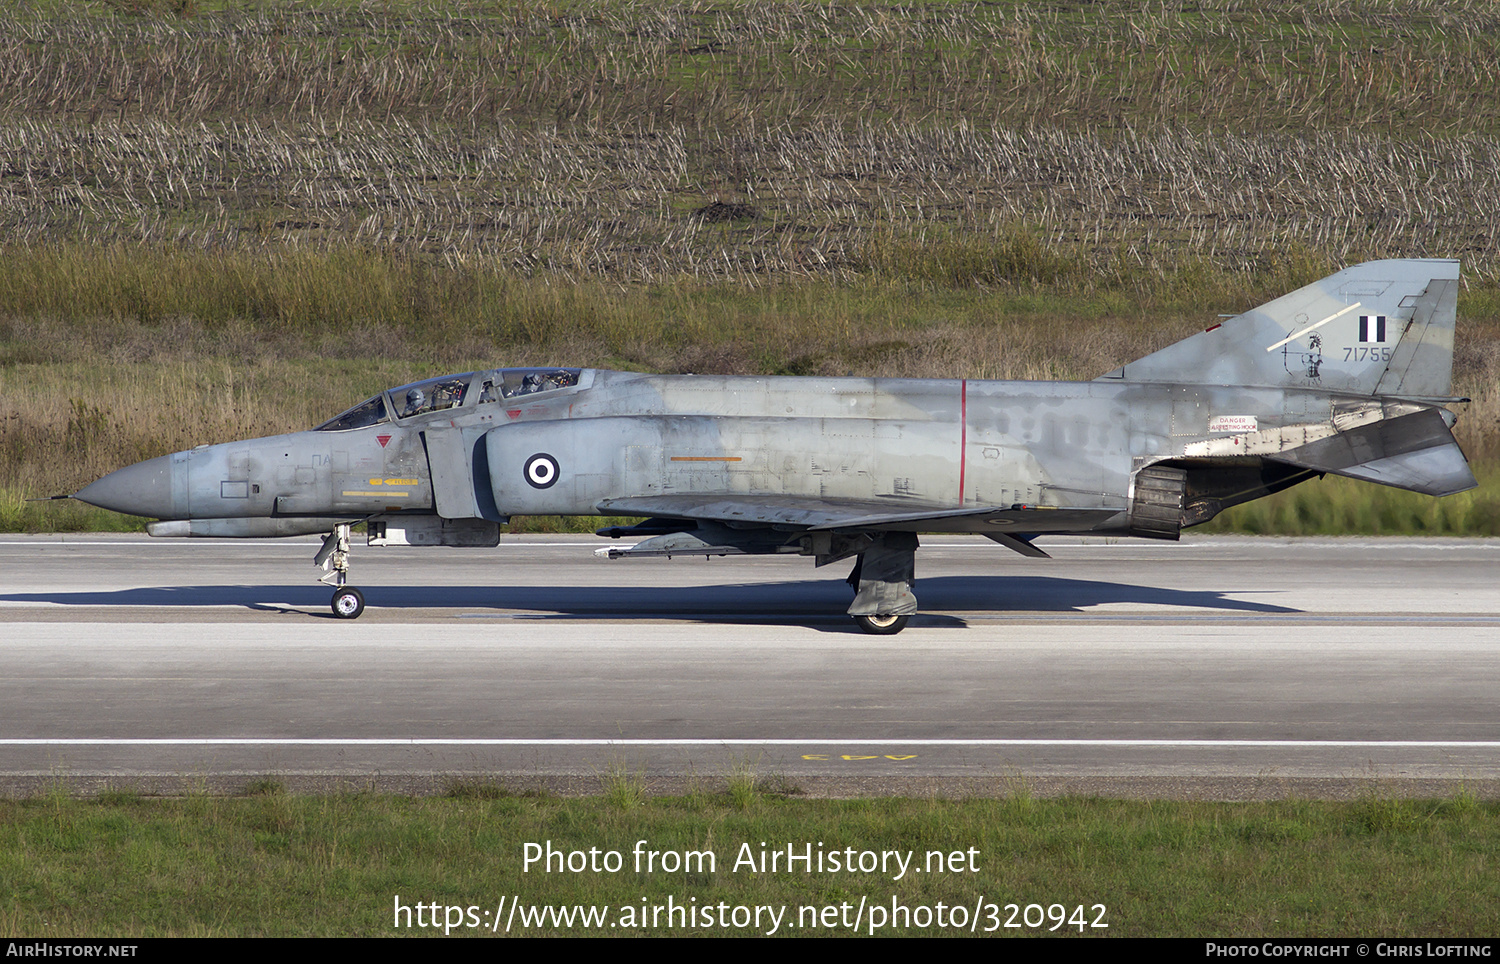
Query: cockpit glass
[368, 412]
[513, 382]
[433, 395]
[449, 391]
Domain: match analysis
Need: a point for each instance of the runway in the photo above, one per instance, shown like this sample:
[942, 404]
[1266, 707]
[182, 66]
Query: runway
[1217, 666]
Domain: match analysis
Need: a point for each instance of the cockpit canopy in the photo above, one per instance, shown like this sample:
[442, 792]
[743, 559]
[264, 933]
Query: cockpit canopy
[371, 411]
[453, 391]
[510, 382]
[432, 395]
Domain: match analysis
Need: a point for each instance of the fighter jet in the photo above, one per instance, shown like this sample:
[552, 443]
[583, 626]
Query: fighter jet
[1349, 375]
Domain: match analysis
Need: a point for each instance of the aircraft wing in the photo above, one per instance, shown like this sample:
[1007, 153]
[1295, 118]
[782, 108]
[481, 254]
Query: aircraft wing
[795, 512]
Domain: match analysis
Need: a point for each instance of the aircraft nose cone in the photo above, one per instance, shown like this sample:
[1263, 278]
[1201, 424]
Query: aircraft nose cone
[144, 488]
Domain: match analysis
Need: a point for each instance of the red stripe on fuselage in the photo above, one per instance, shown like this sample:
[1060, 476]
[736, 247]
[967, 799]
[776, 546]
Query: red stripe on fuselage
[963, 435]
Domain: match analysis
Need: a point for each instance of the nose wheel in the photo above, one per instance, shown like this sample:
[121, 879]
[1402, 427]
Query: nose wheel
[348, 602]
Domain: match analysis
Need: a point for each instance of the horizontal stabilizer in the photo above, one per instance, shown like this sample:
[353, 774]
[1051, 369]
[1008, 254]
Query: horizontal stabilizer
[1415, 452]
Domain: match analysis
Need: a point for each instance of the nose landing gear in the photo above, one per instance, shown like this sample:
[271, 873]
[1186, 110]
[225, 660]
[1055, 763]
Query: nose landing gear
[348, 602]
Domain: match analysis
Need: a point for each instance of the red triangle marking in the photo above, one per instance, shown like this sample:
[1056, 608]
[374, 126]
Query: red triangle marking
[382, 439]
[513, 412]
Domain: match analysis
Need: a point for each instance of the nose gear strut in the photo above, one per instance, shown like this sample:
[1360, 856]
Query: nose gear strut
[347, 602]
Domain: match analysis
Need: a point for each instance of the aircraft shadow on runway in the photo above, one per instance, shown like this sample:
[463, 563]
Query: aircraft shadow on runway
[944, 599]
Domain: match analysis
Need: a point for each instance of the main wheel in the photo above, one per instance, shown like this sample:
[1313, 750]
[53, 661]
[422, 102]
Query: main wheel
[348, 602]
[882, 625]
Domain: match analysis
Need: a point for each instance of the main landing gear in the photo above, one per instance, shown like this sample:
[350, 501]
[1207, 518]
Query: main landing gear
[882, 625]
[882, 580]
[348, 602]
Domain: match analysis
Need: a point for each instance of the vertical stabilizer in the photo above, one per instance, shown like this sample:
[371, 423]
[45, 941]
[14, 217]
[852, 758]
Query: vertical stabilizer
[1382, 327]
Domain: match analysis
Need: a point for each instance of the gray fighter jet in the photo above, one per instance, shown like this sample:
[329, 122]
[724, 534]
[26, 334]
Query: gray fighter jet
[1349, 375]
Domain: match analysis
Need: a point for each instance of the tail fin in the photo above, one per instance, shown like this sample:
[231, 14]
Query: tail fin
[1378, 328]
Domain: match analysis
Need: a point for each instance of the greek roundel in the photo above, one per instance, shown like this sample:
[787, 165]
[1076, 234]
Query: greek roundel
[541, 471]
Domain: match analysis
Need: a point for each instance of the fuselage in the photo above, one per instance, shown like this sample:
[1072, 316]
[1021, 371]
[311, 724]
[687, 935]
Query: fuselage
[492, 444]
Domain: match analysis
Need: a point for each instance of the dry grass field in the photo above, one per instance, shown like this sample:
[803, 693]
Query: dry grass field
[752, 142]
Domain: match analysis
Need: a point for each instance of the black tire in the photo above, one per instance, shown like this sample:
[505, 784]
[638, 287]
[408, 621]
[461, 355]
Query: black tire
[882, 625]
[348, 602]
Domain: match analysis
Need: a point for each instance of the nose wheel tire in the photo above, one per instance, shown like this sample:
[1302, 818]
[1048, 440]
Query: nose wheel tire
[348, 602]
[882, 625]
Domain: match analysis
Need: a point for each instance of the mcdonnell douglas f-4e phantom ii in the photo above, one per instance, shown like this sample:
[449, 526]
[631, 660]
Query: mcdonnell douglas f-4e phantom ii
[1348, 375]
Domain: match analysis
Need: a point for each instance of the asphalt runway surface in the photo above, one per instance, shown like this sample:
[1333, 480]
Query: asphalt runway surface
[1219, 667]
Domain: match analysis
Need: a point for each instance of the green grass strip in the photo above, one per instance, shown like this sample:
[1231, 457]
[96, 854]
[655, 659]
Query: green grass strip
[281, 865]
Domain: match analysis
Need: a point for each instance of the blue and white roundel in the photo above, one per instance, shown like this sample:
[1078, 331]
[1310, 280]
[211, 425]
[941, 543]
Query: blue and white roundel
[541, 471]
